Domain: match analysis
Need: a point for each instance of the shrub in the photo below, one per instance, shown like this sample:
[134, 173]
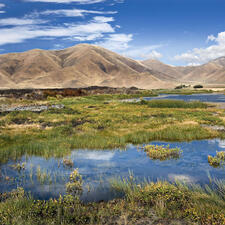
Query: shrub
[198, 86]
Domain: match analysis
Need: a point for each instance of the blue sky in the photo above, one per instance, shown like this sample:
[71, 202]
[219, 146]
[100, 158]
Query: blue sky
[177, 32]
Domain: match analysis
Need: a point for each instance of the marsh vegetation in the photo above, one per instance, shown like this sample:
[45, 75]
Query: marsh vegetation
[104, 123]
[162, 152]
[218, 160]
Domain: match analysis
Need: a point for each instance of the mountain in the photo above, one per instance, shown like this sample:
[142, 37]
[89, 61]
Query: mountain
[209, 73]
[86, 65]
[78, 66]
[212, 72]
[171, 72]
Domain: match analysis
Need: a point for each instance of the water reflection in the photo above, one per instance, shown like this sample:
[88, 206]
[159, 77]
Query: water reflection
[46, 178]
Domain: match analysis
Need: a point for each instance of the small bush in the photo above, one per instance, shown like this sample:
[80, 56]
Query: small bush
[198, 86]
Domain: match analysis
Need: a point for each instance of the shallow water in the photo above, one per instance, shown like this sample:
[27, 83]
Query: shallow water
[219, 98]
[98, 167]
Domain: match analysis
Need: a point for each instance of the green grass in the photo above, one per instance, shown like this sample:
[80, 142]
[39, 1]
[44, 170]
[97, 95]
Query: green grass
[162, 152]
[95, 122]
[184, 91]
[164, 103]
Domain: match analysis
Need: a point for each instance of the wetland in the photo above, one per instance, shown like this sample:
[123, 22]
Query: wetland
[147, 161]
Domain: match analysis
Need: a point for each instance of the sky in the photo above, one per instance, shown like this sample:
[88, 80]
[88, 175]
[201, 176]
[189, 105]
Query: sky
[176, 32]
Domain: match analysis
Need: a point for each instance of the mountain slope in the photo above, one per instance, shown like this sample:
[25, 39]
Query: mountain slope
[171, 72]
[79, 66]
[209, 73]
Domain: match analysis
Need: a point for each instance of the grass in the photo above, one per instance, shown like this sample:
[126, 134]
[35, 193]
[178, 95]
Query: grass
[162, 152]
[102, 122]
[167, 103]
[143, 203]
[184, 91]
[218, 160]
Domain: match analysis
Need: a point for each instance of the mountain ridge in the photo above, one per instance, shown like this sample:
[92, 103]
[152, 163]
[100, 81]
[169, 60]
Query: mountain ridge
[86, 65]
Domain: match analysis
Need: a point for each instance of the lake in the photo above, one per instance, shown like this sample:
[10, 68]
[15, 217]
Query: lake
[218, 98]
[98, 167]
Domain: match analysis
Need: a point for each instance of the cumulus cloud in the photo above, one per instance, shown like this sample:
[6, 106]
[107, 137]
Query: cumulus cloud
[116, 42]
[74, 12]
[203, 55]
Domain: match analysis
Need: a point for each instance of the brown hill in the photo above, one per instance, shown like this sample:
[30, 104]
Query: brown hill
[209, 73]
[79, 66]
[171, 72]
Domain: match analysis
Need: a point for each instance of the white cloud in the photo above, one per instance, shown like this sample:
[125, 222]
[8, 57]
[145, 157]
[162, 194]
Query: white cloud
[74, 12]
[203, 55]
[116, 42]
[19, 22]
[120, 44]
[103, 19]
[21, 33]
[90, 37]
[2, 6]
[143, 52]
[69, 1]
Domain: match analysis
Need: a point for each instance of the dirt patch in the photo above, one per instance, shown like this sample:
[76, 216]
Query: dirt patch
[24, 126]
[214, 127]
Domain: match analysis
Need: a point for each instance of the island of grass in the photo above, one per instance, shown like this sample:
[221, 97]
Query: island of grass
[162, 152]
[218, 160]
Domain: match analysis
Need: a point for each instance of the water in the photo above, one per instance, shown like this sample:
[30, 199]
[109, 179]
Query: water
[219, 98]
[98, 167]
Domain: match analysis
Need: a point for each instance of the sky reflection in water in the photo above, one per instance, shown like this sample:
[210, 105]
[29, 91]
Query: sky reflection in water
[98, 167]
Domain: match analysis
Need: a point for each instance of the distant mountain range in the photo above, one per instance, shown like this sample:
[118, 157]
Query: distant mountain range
[89, 65]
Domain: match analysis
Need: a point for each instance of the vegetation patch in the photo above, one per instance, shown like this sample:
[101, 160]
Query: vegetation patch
[167, 103]
[143, 203]
[162, 152]
[218, 160]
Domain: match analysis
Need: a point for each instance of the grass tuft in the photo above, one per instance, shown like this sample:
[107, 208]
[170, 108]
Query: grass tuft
[218, 160]
[162, 152]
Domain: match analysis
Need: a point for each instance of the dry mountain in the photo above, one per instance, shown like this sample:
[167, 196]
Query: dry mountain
[79, 66]
[212, 72]
[89, 65]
